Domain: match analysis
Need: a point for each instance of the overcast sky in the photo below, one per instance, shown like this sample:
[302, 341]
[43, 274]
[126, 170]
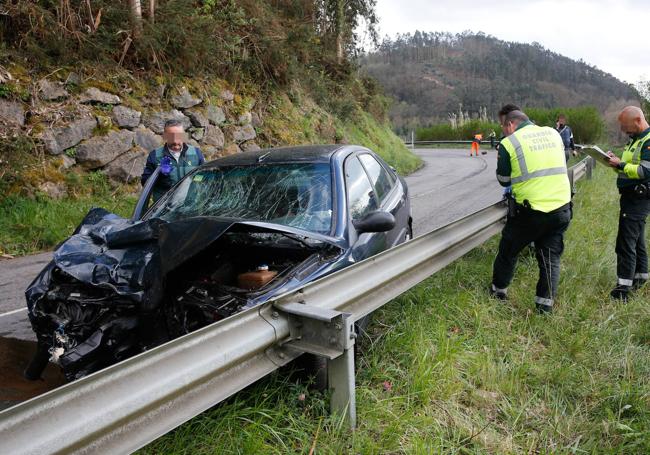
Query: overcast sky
[613, 35]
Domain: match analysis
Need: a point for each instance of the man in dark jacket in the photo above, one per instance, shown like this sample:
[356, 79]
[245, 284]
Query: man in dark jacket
[566, 134]
[175, 158]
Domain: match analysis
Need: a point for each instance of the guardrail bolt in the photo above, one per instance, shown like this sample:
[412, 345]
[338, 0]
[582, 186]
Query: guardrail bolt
[281, 355]
[275, 315]
[333, 340]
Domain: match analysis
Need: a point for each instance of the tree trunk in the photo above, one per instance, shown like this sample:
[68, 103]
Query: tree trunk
[152, 10]
[339, 30]
[136, 16]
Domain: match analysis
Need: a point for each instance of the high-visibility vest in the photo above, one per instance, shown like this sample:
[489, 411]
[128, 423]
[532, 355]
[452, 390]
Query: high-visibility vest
[186, 162]
[539, 173]
[632, 157]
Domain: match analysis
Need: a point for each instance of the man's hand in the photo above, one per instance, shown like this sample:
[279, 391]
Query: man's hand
[614, 160]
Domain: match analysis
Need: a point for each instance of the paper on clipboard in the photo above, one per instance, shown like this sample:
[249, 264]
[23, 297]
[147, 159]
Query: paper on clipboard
[596, 153]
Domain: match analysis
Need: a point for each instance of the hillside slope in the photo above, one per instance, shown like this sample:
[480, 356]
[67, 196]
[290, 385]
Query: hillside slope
[432, 74]
[83, 98]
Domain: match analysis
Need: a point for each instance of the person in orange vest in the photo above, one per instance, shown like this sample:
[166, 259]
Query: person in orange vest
[476, 144]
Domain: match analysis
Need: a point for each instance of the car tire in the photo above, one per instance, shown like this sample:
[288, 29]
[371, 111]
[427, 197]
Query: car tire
[409, 233]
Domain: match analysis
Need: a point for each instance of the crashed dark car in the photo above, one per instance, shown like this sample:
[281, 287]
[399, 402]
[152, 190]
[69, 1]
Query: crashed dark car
[232, 234]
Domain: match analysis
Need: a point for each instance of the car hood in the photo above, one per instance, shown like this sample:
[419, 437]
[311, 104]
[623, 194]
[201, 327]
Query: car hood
[131, 258]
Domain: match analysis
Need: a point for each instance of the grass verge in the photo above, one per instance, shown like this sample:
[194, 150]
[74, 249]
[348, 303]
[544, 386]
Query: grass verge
[448, 370]
[29, 225]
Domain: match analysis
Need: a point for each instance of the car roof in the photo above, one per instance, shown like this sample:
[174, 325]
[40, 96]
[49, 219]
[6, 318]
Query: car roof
[298, 154]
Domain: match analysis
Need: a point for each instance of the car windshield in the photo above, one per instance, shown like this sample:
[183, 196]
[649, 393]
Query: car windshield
[297, 195]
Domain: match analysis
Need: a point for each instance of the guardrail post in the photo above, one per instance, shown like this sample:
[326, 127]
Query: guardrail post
[340, 375]
[329, 334]
[591, 163]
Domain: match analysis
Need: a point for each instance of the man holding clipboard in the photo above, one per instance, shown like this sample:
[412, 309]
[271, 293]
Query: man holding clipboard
[633, 184]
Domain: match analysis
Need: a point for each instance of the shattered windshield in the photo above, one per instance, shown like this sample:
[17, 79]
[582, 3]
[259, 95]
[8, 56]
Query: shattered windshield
[297, 195]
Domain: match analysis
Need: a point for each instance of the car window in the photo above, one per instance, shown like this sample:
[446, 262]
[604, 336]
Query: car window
[297, 195]
[378, 175]
[361, 198]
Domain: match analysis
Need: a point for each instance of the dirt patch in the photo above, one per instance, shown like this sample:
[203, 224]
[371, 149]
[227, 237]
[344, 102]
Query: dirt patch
[15, 355]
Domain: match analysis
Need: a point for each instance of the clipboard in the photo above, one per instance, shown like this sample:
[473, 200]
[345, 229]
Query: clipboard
[596, 153]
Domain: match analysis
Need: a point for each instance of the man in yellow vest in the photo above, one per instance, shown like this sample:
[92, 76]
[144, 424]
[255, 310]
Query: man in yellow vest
[634, 186]
[531, 160]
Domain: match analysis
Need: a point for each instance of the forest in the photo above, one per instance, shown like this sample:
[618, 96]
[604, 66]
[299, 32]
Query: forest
[431, 75]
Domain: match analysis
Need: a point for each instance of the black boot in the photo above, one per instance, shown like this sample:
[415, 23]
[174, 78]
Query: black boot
[621, 292]
[638, 283]
[499, 294]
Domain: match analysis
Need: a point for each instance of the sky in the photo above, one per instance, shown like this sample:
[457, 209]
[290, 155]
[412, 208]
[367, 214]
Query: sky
[613, 35]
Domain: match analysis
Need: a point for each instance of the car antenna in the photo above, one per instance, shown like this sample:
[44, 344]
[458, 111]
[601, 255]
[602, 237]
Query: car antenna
[261, 157]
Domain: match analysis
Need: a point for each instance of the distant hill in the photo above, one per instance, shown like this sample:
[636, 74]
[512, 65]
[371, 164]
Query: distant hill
[431, 74]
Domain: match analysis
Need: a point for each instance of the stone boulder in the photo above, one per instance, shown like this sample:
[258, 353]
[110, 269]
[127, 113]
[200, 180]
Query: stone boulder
[127, 167]
[53, 190]
[198, 119]
[245, 119]
[12, 112]
[126, 117]
[101, 150]
[66, 162]
[212, 135]
[156, 120]
[210, 153]
[216, 115]
[51, 91]
[227, 95]
[147, 139]
[73, 79]
[244, 133]
[184, 99]
[95, 96]
[58, 139]
[231, 149]
[256, 120]
[250, 146]
[197, 133]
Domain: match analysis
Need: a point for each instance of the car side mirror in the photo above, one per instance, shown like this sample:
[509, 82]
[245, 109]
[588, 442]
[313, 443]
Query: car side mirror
[378, 221]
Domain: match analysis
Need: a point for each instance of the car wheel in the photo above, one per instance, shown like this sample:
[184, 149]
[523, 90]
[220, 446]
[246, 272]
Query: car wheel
[409, 233]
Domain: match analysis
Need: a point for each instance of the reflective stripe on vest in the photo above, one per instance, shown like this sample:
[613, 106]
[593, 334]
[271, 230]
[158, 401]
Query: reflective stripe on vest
[539, 173]
[632, 155]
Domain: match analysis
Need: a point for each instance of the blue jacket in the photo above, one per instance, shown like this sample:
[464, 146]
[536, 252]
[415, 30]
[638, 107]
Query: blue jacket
[190, 158]
[567, 137]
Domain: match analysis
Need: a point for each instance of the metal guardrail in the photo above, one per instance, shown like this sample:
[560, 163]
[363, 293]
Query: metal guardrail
[128, 405]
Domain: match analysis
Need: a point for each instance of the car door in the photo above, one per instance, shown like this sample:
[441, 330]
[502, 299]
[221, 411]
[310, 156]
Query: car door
[390, 196]
[361, 201]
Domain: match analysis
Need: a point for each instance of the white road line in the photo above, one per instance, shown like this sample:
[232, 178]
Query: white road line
[13, 312]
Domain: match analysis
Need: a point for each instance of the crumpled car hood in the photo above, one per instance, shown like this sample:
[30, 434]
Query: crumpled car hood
[131, 258]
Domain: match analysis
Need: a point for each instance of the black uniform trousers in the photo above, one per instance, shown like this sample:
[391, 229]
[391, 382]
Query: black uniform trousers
[631, 253]
[546, 230]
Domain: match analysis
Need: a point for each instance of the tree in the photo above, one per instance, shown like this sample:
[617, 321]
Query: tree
[136, 15]
[643, 87]
[339, 20]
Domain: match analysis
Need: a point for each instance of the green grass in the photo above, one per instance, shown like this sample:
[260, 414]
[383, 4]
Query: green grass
[449, 370]
[366, 131]
[29, 225]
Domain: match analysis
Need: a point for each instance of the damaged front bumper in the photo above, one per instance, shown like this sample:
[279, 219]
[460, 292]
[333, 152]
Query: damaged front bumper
[117, 287]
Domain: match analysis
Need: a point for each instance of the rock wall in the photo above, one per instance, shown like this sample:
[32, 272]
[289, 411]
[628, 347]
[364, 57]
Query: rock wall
[98, 130]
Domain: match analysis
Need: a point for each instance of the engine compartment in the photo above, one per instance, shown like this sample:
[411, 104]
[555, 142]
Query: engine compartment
[207, 289]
